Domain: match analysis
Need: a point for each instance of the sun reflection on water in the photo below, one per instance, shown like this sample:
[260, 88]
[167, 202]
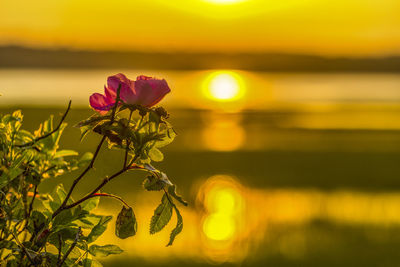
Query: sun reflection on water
[223, 132]
[230, 221]
[223, 204]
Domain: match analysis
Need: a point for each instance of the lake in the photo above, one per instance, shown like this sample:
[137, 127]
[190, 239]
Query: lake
[280, 169]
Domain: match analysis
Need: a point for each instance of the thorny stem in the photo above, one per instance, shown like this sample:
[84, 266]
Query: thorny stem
[50, 133]
[90, 166]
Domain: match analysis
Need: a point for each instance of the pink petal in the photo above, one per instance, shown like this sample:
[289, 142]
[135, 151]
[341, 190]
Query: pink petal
[110, 93]
[143, 77]
[100, 103]
[127, 93]
[150, 91]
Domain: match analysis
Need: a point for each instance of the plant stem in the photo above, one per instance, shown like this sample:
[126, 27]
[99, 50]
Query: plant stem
[33, 199]
[128, 142]
[76, 181]
[59, 248]
[109, 195]
[50, 133]
[78, 234]
[105, 181]
[23, 248]
[90, 166]
[101, 185]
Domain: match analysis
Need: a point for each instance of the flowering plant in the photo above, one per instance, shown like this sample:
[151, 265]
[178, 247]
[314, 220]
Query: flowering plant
[52, 229]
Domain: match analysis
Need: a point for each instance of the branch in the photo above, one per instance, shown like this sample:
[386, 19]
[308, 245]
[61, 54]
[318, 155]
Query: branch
[23, 248]
[105, 181]
[76, 181]
[50, 133]
[101, 185]
[33, 199]
[59, 248]
[78, 234]
[109, 195]
[29, 211]
[90, 166]
[128, 142]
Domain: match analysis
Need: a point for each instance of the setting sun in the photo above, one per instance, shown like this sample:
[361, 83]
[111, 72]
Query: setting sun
[224, 86]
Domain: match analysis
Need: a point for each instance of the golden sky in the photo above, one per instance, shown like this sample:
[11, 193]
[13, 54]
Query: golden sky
[327, 27]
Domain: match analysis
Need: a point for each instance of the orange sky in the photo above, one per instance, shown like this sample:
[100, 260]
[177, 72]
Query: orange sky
[327, 27]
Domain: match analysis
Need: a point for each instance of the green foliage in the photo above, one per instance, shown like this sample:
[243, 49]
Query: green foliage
[105, 250]
[126, 224]
[32, 222]
[172, 192]
[162, 215]
[178, 228]
[99, 228]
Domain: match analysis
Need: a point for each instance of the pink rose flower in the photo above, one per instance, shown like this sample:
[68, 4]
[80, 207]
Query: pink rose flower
[145, 91]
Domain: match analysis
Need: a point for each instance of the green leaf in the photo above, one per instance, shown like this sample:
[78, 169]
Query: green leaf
[90, 204]
[57, 197]
[88, 221]
[99, 228]
[13, 263]
[50, 143]
[7, 244]
[178, 228]
[152, 183]
[103, 251]
[15, 170]
[65, 153]
[63, 218]
[92, 124]
[86, 158]
[155, 154]
[168, 138]
[162, 215]
[126, 224]
[37, 221]
[60, 193]
[91, 263]
[84, 131]
[172, 192]
[25, 136]
[93, 120]
[9, 175]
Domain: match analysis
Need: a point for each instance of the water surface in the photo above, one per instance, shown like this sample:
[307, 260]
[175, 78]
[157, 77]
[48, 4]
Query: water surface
[301, 170]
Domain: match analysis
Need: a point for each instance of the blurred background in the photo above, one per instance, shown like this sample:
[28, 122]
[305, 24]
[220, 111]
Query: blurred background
[287, 113]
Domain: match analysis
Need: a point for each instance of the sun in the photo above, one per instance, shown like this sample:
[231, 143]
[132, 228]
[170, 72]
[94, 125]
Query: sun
[224, 86]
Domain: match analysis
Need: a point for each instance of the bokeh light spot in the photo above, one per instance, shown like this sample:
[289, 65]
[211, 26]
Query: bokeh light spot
[219, 226]
[222, 200]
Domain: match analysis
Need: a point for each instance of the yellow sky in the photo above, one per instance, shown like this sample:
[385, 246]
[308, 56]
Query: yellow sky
[328, 27]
